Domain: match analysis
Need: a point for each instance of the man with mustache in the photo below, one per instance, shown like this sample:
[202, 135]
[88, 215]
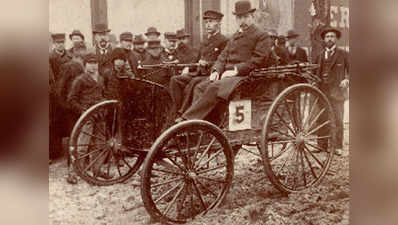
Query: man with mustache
[296, 53]
[126, 42]
[59, 55]
[181, 87]
[103, 47]
[76, 36]
[333, 71]
[247, 50]
[139, 48]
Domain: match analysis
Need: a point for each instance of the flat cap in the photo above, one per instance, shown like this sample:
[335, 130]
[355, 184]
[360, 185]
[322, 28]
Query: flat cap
[139, 39]
[58, 37]
[210, 14]
[152, 30]
[91, 58]
[126, 36]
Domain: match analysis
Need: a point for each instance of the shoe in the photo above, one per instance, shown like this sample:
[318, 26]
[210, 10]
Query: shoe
[71, 179]
[338, 152]
[104, 175]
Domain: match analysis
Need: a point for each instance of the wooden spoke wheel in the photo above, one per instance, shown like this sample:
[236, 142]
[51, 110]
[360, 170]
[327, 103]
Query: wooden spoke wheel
[187, 172]
[100, 158]
[298, 138]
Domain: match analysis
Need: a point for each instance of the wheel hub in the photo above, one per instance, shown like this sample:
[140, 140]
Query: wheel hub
[300, 139]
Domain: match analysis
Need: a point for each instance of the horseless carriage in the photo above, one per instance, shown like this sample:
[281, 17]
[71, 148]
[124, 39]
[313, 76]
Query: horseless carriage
[188, 167]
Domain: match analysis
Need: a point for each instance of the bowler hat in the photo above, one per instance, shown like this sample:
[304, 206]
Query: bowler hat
[58, 37]
[101, 28]
[91, 58]
[330, 29]
[152, 30]
[119, 53]
[126, 36]
[77, 33]
[182, 34]
[243, 7]
[291, 34]
[139, 39]
[272, 33]
[170, 36]
[210, 14]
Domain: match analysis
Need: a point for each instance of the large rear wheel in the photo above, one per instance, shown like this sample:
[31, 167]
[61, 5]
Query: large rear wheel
[298, 138]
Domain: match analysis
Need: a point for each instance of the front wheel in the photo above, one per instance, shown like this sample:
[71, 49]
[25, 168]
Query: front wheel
[187, 172]
[96, 146]
[298, 138]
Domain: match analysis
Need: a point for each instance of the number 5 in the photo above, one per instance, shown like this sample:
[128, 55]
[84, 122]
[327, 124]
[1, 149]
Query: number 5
[240, 117]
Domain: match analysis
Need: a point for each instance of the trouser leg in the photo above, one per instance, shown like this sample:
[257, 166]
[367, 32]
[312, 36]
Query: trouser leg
[177, 86]
[338, 107]
[189, 93]
[205, 103]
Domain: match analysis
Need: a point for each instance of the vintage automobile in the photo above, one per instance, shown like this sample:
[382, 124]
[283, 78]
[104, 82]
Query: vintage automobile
[188, 167]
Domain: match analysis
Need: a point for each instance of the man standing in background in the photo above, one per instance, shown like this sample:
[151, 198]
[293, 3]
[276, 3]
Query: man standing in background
[103, 47]
[296, 53]
[139, 48]
[333, 71]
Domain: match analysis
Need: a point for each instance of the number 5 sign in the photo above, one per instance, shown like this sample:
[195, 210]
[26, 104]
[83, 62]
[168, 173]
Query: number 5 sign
[240, 115]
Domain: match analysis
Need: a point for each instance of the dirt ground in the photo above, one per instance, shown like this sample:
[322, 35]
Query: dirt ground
[251, 200]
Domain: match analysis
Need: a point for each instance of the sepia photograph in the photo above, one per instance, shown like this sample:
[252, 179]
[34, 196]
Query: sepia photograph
[199, 112]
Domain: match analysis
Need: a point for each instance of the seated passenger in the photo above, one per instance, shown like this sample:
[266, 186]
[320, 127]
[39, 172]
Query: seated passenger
[247, 50]
[210, 49]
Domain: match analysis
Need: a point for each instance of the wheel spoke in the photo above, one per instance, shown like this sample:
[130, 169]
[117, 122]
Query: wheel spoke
[318, 127]
[280, 132]
[167, 182]
[303, 168]
[253, 153]
[285, 123]
[89, 153]
[315, 119]
[313, 156]
[114, 123]
[173, 200]
[316, 147]
[167, 192]
[291, 115]
[197, 149]
[125, 162]
[309, 164]
[175, 163]
[96, 137]
[206, 188]
[209, 159]
[183, 157]
[297, 107]
[210, 169]
[97, 128]
[199, 196]
[95, 160]
[318, 137]
[168, 171]
[281, 142]
[204, 153]
[284, 163]
[307, 119]
[211, 179]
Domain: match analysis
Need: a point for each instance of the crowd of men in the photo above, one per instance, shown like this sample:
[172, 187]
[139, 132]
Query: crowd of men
[81, 77]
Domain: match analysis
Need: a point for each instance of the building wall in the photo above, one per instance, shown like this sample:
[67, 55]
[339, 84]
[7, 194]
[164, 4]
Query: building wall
[137, 15]
[66, 15]
[123, 15]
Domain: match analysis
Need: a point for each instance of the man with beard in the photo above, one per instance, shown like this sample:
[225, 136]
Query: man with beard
[103, 47]
[59, 55]
[210, 48]
[296, 53]
[76, 36]
[279, 55]
[120, 69]
[126, 42]
[169, 53]
[247, 50]
[139, 48]
[333, 72]
[155, 55]
[87, 90]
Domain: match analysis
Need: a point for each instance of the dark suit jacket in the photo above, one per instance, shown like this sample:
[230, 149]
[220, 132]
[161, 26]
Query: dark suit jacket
[339, 71]
[105, 61]
[246, 51]
[210, 49]
[56, 62]
[301, 55]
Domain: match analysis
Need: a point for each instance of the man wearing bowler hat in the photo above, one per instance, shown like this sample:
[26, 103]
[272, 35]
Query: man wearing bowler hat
[126, 41]
[279, 55]
[170, 54]
[185, 52]
[181, 87]
[59, 55]
[76, 36]
[155, 54]
[139, 47]
[153, 34]
[333, 71]
[247, 50]
[103, 47]
[296, 53]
